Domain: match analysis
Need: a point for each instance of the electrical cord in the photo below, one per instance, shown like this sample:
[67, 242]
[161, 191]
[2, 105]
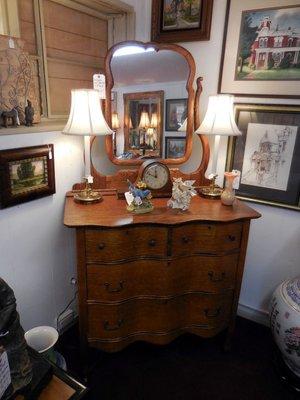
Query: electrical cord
[67, 306]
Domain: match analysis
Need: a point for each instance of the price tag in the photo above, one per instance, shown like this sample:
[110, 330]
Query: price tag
[129, 198]
[11, 43]
[236, 181]
[99, 84]
[5, 379]
[90, 179]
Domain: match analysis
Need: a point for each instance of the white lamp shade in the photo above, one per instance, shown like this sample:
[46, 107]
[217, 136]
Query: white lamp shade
[219, 118]
[154, 121]
[144, 121]
[86, 117]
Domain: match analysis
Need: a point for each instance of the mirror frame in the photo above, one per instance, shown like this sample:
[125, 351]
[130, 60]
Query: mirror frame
[190, 94]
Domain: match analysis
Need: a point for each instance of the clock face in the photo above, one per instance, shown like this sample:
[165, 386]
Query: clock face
[156, 176]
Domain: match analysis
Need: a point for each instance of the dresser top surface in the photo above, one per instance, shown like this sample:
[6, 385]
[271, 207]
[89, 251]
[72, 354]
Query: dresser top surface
[111, 212]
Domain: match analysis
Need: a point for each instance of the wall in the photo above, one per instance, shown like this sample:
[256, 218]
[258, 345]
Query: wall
[37, 252]
[273, 250]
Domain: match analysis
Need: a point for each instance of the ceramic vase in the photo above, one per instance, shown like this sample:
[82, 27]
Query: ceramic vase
[285, 322]
[228, 194]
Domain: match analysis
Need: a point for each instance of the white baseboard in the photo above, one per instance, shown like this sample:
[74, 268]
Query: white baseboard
[259, 316]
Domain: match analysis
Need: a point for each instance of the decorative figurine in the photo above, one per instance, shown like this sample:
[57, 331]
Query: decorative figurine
[29, 113]
[182, 192]
[12, 340]
[138, 198]
[13, 115]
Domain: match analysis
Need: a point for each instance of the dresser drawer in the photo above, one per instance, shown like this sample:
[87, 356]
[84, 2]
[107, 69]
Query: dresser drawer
[160, 277]
[205, 238]
[107, 245]
[157, 316]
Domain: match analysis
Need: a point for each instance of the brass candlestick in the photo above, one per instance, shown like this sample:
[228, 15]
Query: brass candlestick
[87, 195]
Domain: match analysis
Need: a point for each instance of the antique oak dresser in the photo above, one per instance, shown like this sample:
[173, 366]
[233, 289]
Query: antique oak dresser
[155, 276]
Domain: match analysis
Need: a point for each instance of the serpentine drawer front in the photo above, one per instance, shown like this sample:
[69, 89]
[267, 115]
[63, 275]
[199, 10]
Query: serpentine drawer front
[154, 276]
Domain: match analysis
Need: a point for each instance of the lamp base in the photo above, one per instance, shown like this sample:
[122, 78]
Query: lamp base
[212, 191]
[87, 195]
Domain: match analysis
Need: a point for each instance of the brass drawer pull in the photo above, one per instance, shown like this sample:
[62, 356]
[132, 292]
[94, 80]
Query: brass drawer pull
[101, 246]
[185, 239]
[212, 314]
[152, 242]
[108, 327]
[215, 278]
[231, 238]
[114, 290]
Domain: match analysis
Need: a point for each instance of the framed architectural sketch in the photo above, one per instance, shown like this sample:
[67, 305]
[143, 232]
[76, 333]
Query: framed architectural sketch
[181, 20]
[174, 146]
[176, 113]
[261, 49]
[267, 154]
[26, 174]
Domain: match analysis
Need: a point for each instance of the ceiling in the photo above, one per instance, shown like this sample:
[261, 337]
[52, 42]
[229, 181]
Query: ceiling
[149, 67]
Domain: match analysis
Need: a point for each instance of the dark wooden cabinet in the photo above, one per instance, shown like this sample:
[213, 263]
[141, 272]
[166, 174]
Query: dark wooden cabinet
[155, 276]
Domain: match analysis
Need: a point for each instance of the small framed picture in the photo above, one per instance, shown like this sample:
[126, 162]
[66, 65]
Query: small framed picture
[181, 21]
[174, 146]
[176, 113]
[261, 49]
[26, 174]
[267, 154]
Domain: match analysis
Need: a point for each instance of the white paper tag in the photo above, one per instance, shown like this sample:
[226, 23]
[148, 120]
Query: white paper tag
[129, 198]
[99, 84]
[11, 43]
[236, 181]
[211, 176]
[5, 379]
[90, 179]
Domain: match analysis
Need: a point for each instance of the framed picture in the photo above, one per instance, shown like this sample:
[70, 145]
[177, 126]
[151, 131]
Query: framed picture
[267, 154]
[174, 146]
[176, 113]
[26, 174]
[261, 49]
[181, 20]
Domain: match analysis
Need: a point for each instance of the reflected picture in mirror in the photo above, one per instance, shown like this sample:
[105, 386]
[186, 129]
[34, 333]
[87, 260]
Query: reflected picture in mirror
[176, 114]
[174, 146]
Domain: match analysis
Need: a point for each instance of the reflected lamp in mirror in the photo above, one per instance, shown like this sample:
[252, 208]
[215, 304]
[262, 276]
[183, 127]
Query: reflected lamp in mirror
[144, 125]
[218, 121]
[86, 119]
[115, 124]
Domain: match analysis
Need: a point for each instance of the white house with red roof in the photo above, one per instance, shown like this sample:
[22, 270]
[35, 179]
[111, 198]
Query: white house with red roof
[272, 45]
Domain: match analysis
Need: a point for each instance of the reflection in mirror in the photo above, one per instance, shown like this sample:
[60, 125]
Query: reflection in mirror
[144, 81]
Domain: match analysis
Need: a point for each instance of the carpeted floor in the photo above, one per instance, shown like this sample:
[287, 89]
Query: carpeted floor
[189, 368]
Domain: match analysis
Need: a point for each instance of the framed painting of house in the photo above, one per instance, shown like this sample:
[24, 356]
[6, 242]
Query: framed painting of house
[181, 20]
[261, 49]
[267, 154]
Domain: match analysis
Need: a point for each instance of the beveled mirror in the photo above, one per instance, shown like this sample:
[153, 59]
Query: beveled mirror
[141, 78]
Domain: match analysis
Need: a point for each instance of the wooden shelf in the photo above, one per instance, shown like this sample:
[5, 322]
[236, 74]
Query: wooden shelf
[44, 126]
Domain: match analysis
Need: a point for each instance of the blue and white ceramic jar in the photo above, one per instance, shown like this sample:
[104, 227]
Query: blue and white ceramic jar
[285, 322]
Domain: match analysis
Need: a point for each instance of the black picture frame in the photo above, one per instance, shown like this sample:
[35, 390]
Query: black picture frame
[269, 160]
[26, 174]
[173, 109]
[175, 146]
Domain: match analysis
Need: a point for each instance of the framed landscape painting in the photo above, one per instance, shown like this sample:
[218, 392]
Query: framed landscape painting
[26, 174]
[181, 20]
[261, 49]
[267, 154]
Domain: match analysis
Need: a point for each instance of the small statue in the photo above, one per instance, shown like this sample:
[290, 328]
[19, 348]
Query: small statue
[12, 340]
[29, 113]
[13, 115]
[182, 192]
[138, 198]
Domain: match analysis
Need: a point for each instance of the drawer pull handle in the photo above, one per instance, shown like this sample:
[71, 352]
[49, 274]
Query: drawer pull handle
[101, 246]
[216, 278]
[231, 238]
[212, 314]
[152, 242]
[108, 327]
[185, 239]
[118, 289]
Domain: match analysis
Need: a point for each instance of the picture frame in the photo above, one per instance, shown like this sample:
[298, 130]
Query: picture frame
[176, 113]
[26, 174]
[175, 146]
[181, 21]
[267, 154]
[260, 55]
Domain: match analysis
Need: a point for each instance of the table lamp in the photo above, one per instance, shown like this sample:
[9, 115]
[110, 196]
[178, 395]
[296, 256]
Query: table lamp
[86, 119]
[218, 121]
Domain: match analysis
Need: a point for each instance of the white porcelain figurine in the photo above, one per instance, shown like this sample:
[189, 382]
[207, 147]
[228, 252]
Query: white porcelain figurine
[182, 192]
